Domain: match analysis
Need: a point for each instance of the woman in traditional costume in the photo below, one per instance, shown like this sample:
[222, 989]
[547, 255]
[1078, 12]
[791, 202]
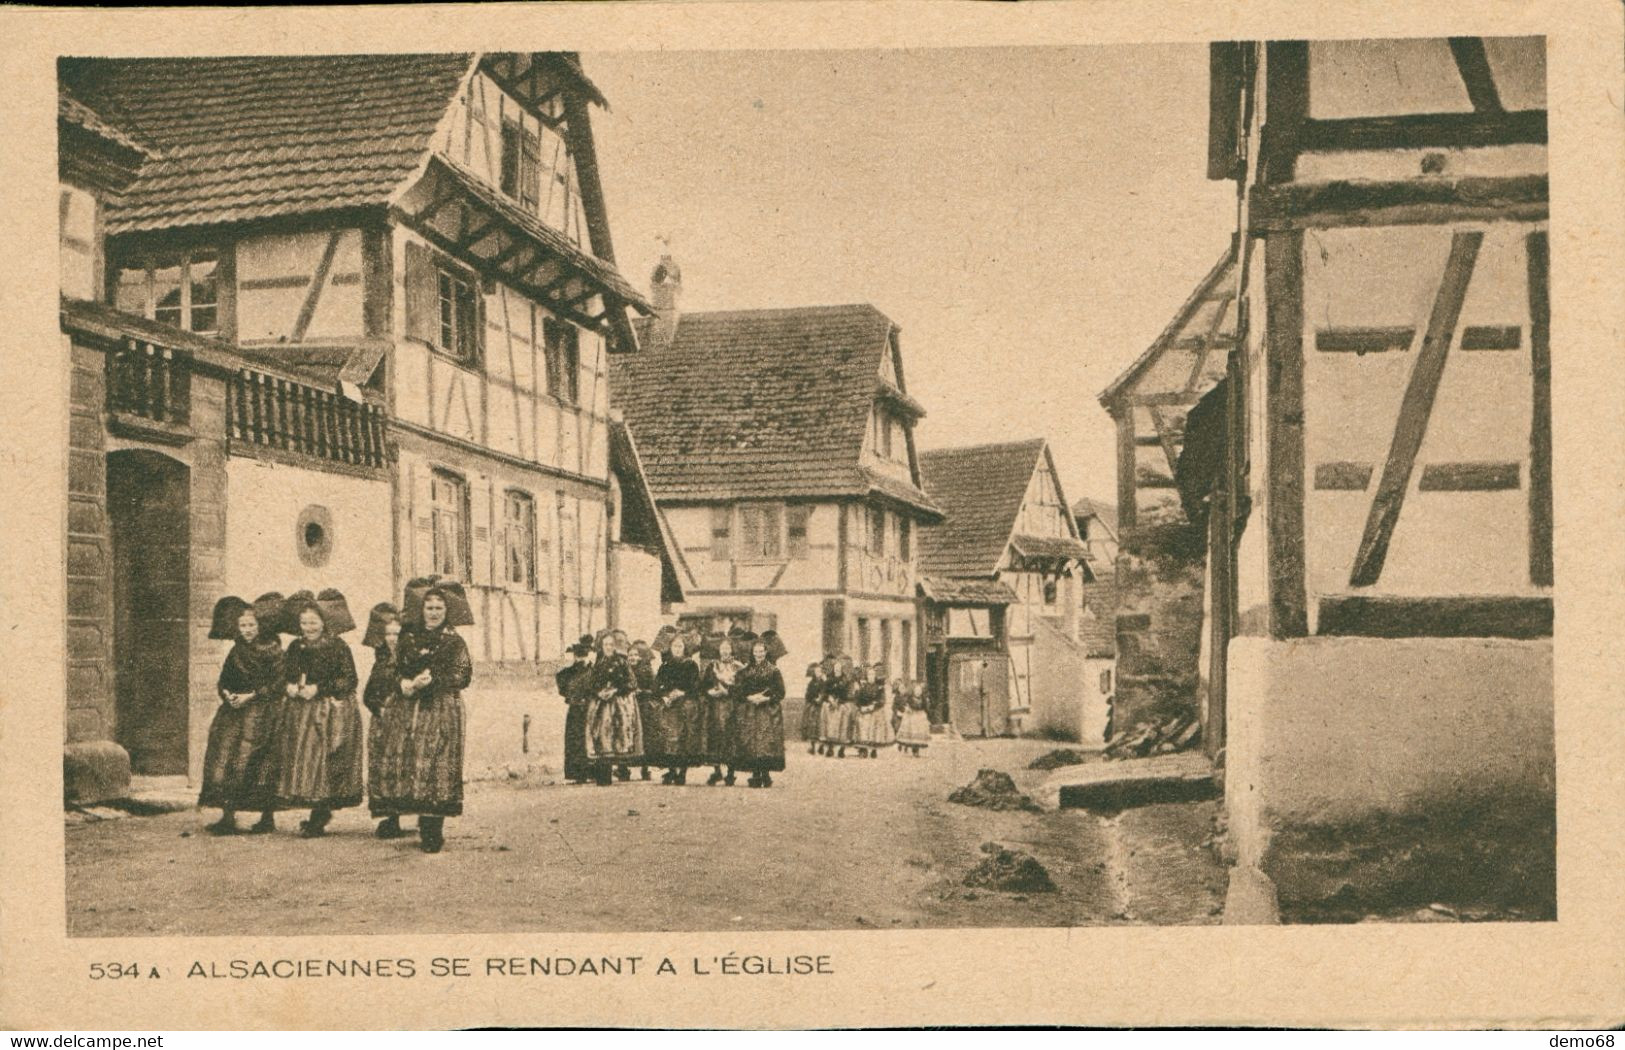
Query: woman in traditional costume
[675, 701]
[571, 681]
[871, 732]
[914, 725]
[811, 707]
[642, 659]
[614, 730]
[239, 764]
[433, 668]
[716, 686]
[319, 733]
[390, 717]
[759, 718]
[839, 711]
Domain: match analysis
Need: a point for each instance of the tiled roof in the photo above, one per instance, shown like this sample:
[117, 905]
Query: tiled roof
[1099, 632]
[72, 111]
[252, 137]
[959, 591]
[758, 404]
[1106, 512]
[980, 489]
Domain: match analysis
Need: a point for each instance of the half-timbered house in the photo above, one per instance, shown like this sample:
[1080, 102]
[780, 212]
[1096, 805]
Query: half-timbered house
[1375, 475]
[1007, 534]
[396, 272]
[779, 444]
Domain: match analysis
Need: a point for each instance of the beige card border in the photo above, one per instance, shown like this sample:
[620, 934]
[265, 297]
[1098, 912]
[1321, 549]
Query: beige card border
[1567, 973]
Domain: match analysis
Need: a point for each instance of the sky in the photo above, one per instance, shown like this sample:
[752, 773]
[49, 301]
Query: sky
[1031, 218]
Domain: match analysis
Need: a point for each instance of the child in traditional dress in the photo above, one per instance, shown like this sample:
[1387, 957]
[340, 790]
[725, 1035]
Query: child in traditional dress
[811, 707]
[642, 659]
[716, 686]
[676, 709]
[914, 727]
[237, 767]
[840, 712]
[386, 731]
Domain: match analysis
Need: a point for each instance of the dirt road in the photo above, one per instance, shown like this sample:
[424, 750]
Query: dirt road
[835, 844]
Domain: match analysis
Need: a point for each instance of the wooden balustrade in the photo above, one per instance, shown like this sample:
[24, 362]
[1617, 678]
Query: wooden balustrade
[150, 381]
[288, 416]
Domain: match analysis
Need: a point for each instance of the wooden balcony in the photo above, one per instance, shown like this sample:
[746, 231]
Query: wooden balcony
[283, 418]
[149, 392]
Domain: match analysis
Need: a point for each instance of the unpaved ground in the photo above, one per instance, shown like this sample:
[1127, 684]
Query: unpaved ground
[835, 844]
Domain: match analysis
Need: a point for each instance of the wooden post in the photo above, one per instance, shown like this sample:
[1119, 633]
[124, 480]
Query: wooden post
[1286, 107]
[1283, 284]
[1540, 424]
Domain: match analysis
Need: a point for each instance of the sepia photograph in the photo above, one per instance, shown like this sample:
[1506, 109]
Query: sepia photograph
[982, 514]
[447, 479]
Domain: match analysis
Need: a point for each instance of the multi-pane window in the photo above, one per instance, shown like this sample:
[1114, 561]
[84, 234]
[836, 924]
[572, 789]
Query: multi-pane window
[448, 502]
[796, 517]
[459, 315]
[561, 344]
[721, 533]
[180, 290]
[760, 532]
[519, 539]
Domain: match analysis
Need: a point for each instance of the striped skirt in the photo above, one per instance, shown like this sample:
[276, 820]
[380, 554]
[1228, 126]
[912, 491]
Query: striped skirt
[812, 717]
[915, 729]
[758, 733]
[417, 763]
[318, 754]
[837, 723]
[873, 728]
[239, 766]
[717, 744]
[614, 730]
[675, 732]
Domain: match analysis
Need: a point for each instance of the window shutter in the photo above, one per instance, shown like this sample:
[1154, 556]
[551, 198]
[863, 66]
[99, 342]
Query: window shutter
[422, 294]
[422, 521]
[721, 533]
[797, 515]
[478, 285]
[479, 530]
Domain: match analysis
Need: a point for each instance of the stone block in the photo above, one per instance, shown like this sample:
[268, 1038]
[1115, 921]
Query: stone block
[87, 683]
[86, 641]
[94, 771]
[87, 473]
[85, 431]
[87, 598]
[85, 723]
[86, 517]
[85, 558]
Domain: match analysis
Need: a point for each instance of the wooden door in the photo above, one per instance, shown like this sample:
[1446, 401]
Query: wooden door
[148, 508]
[978, 693]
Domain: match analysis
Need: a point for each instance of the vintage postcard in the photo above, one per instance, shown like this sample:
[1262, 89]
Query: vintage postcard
[813, 515]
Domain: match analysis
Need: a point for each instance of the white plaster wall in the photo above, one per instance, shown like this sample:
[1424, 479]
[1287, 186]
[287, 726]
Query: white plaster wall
[271, 313]
[635, 574]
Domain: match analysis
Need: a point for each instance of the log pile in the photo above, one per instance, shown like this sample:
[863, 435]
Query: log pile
[1176, 733]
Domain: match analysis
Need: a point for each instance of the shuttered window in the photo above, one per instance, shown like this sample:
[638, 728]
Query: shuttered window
[519, 539]
[877, 531]
[561, 344]
[443, 304]
[760, 532]
[721, 533]
[521, 164]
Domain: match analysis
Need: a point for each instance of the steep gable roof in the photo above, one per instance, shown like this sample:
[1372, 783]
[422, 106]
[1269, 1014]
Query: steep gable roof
[1181, 359]
[243, 138]
[980, 489]
[1088, 507]
[758, 404]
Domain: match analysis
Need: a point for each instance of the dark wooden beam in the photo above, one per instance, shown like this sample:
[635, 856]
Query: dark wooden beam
[1490, 337]
[1434, 202]
[515, 247]
[1415, 409]
[1426, 131]
[1125, 469]
[471, 238]
[1474, 65]
[1342, 476]
[1175, 397]
[1283, 395]
[313, 295]
[1167, 438]
[1286, 108]
[1469, 477]
[1226, 82]
[1363, 340]
[1540, 426]
[1394, 616]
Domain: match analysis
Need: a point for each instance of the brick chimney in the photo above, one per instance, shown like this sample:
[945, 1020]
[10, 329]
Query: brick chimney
[666, 291]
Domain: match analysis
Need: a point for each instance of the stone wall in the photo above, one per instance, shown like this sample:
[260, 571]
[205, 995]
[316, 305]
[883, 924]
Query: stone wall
[1160, 570]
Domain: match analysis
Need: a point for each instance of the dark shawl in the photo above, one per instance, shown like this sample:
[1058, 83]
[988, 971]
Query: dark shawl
[328, 664]
[440, 651]
[253, 667]
[382, 681]
[610, 672]
[681, 674]
[760, 678]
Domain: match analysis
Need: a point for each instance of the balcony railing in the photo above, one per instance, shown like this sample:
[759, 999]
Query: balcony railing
[286, 416]
[150, 382]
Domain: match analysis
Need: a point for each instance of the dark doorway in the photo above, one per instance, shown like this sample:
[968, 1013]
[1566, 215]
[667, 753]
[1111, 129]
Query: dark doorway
[979, 693]
[147, 505]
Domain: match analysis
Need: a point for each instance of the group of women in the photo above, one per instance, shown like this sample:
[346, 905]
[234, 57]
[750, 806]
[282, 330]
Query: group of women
[288, 733]
[846, 708]
[676, 704]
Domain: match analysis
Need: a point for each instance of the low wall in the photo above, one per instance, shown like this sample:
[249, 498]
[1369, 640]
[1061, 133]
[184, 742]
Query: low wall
[1364, 774]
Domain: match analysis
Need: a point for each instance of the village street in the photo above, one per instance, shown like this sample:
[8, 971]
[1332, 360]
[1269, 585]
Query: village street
[853, 844]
